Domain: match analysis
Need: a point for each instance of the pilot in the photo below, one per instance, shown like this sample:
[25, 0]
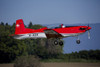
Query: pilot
[62, 26]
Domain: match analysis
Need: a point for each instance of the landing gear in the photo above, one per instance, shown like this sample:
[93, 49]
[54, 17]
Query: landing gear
[58, 42]
[78, 41]
[61, 43]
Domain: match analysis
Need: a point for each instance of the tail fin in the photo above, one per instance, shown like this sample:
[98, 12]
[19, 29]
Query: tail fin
[20, 28]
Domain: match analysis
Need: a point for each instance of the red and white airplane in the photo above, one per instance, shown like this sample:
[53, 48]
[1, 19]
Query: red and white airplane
[57, 33]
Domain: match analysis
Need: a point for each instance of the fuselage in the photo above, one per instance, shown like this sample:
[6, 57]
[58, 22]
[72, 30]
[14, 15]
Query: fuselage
[58, 32]
[64, 32]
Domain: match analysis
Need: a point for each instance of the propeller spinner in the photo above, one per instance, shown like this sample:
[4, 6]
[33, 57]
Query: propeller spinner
[87, 28]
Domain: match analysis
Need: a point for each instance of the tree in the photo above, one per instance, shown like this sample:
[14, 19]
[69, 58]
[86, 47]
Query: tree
[11, 48]
[6, 24]
[30, 25]
[37, 26]
[2, 23]
[84, 54]
[27, 61]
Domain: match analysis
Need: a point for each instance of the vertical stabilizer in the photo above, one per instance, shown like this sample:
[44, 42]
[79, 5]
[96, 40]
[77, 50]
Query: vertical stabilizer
[19, 28]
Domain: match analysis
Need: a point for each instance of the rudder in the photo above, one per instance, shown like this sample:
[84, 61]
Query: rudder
[19, 28]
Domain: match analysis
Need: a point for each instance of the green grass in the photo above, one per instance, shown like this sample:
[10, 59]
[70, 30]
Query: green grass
[71, 60]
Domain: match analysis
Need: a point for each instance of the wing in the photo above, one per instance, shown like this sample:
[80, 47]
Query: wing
[52, 34]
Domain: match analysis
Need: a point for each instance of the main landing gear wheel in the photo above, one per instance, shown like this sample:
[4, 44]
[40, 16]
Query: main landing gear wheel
[56, 42]
[78, 41]
[60, 43]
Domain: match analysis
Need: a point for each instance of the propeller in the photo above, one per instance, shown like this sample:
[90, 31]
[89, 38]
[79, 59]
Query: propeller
[88, 32]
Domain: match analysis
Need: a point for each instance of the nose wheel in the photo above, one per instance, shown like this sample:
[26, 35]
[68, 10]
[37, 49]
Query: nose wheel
[78, 41]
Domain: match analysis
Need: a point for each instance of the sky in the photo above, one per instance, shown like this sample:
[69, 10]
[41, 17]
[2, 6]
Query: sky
[53, 12]
[93, 43]
[50, 11]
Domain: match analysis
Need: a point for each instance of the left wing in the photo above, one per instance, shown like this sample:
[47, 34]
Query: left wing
[52, 34]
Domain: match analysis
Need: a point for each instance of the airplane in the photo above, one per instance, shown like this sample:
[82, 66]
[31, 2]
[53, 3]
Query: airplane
[57, 33]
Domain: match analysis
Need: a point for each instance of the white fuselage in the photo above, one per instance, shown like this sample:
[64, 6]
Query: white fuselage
[41, 35]
[30, 35]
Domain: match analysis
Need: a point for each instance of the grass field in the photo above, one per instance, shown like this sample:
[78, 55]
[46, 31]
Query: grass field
[61, 65]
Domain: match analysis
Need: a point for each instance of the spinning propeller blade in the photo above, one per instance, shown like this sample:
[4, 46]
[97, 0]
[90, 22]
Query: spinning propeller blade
[88, 32]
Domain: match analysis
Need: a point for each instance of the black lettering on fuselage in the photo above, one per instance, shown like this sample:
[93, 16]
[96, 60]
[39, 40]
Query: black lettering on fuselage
[35, 34]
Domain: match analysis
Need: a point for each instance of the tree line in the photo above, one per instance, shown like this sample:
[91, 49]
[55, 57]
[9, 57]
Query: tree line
[84, 55]
[11, 48]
